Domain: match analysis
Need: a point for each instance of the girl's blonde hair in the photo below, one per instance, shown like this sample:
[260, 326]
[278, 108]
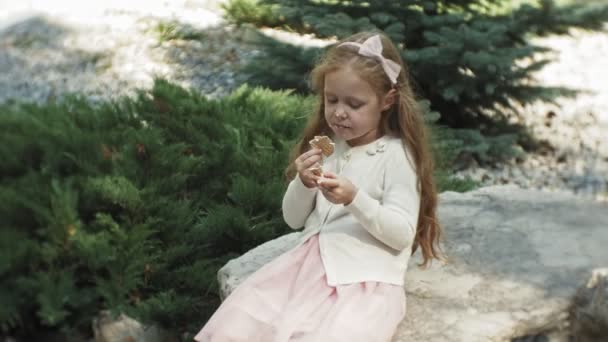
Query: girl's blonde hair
[403, 119]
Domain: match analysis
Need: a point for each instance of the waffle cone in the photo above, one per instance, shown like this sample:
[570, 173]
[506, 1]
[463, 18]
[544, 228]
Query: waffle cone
[323, 143]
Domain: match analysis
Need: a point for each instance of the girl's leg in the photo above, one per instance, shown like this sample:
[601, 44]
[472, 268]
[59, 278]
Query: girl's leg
[250, 312]
[363, 312]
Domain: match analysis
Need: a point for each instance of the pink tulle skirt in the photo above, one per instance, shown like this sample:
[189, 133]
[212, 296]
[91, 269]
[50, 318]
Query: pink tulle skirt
[288, 299]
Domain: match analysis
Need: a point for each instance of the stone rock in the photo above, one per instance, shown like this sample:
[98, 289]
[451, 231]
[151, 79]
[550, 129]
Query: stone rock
[589, 309]
[126, 329]
[516, 258]
[236, 270]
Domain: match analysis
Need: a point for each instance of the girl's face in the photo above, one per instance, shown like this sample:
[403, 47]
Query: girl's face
[352, 109]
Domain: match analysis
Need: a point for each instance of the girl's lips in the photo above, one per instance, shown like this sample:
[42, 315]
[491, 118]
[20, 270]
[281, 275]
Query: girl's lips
[340, 126]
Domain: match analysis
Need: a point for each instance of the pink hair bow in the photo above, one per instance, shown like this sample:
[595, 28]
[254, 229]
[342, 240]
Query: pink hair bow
[372, 47]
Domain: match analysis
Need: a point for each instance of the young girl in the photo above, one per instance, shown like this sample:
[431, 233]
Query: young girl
[363, 217]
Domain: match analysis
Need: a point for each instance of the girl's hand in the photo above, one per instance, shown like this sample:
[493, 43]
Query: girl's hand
[303, 164]
[337, 189]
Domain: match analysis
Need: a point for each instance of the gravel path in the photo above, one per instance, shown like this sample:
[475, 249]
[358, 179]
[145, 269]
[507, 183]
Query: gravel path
[111, 50]
[577, 129]
[116, 47]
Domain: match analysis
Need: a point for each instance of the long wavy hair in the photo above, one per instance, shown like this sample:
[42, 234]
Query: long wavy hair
[403, 119]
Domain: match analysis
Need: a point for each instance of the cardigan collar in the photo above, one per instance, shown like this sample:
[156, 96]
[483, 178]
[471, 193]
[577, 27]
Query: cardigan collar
[370, 149]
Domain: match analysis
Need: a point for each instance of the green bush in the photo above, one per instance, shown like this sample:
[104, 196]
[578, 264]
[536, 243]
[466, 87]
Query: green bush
[240, 11]
[134, 205]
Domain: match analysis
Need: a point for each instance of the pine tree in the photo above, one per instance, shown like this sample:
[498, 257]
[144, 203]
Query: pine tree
[465, 56]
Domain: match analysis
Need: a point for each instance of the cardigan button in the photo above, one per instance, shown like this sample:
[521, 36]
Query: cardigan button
[371, 152]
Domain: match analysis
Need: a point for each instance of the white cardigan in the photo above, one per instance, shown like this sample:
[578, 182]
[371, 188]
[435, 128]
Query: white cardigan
[371, 238]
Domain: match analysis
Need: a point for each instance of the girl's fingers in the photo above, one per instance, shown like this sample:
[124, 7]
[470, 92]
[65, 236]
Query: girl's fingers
[306, 163]
[328, 183]
[309, 164]
[326, 192]
[329, 195]
[321, 184]
[330, 174]
[310, 153]
[310, 161]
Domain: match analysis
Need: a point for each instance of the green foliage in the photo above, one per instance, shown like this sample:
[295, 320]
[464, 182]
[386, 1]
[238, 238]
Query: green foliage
[173, 30]
[470, 58]
[268, 72]
[240, 11]
[134, 205]
[115, 190]
[446, 144]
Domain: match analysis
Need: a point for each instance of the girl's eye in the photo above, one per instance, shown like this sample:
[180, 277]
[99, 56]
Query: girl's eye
[353, 106]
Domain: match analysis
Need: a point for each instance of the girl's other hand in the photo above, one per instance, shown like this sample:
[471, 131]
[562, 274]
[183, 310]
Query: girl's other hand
[303, 164]
[337, 189]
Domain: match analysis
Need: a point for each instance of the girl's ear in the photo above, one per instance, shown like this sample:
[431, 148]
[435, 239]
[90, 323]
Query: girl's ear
[389, 99]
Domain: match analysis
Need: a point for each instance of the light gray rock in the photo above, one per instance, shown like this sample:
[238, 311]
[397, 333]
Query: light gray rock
[516, 258]
[124, 328]
[236, 270]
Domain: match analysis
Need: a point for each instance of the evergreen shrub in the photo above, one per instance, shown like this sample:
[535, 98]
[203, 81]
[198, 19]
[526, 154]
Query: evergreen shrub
[134, 205]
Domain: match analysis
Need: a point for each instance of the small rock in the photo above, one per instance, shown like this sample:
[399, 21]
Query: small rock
[589, 309]
[124, 328]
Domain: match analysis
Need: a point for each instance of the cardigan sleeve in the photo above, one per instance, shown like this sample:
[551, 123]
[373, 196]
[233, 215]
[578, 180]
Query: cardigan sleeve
[393, 221]
[298, 203]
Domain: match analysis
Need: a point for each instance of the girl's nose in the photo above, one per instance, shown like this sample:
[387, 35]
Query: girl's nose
[340, 113]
